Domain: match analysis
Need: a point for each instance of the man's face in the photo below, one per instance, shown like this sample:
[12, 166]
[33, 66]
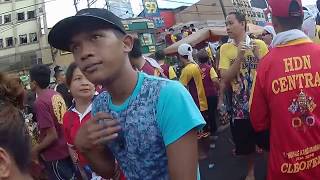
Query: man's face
[100, 54]
[61, 77]
[234, 27]
[80, 86]
[33, 85]
[267, 37]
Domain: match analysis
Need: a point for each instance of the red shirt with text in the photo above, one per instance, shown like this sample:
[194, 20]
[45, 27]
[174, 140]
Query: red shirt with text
[286, 100]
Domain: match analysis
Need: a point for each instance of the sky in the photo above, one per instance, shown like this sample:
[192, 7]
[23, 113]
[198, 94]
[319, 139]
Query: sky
[59, 9]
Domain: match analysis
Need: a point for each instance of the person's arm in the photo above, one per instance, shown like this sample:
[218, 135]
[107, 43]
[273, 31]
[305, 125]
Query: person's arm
[186, 76]
[214, 76]
[222, 88]
[51, 136]
[179, 120]
[183, 157]
[230, 71]
[260, 49]
[259, 112]
[46, 125]
[101, 161]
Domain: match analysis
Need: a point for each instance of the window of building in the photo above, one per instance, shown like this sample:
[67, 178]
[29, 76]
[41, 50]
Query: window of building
[31, 14]
[9, 41]
[0, 19]
[7, 18]
[1, 43]
[33, 37]
[21, 16]
[23, 39]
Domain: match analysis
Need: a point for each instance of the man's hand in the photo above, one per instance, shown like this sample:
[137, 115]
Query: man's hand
[90, 139]
[242, 48]
[99, 130]
[256, 50]
[220, 104]
[35, 154]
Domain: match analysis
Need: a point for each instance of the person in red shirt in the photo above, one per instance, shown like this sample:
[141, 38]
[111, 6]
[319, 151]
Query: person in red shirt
[168, 70]
[144, 64]
[49, 110]
[170, 38]
[79, 113]
[286, 97]
[211, 86]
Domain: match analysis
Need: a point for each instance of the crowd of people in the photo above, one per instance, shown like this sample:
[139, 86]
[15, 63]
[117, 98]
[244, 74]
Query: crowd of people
[173, 36]
[116, 114]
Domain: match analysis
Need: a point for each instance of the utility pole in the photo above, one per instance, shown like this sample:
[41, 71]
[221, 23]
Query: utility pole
[223, 8]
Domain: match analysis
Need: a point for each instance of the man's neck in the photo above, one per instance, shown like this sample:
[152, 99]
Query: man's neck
[123, 85]
[240, 38]
[39, 91]
[186, 62]
[141, 61]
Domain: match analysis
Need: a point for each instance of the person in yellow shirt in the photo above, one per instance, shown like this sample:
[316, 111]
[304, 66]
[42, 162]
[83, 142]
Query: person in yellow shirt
[168, 70]
[238, 63]
[191, 77]
[316, 39]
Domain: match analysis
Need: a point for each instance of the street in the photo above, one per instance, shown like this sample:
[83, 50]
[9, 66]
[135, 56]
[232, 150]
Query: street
[226, 165]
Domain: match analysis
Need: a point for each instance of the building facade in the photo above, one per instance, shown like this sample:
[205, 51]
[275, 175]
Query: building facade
[212, 12]
[121, 8]
[23, 32]
[262, 4]
[253, 15]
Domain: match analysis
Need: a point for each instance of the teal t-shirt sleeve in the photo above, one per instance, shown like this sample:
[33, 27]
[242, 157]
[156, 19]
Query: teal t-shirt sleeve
[98, 103]
[177, 113]
[94, 109]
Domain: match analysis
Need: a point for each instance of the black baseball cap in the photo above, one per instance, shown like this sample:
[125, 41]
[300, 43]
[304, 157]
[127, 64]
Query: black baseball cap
[61, 33]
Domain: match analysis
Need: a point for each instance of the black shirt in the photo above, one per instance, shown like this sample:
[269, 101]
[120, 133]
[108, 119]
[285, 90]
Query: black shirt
[64, 91]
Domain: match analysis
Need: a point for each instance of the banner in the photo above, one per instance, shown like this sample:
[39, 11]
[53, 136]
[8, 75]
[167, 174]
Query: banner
[151, 8]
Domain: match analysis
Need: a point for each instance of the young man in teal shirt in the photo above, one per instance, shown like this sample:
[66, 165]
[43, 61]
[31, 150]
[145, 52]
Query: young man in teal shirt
[148, 124]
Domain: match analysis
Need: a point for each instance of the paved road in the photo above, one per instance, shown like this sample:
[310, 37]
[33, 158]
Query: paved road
[227, 166]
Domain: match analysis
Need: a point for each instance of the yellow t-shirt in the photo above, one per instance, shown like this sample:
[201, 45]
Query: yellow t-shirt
[242, 84]
[208, 49]
[316, 39]
[172, 73]
[191, 77]
[213, 74]
[173, 38]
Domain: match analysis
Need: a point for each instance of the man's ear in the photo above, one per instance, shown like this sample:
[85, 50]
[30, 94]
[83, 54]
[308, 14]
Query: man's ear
[5, 163]
[127, 43]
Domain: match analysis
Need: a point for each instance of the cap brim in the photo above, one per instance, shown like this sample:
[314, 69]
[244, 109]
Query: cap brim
[61, 33]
